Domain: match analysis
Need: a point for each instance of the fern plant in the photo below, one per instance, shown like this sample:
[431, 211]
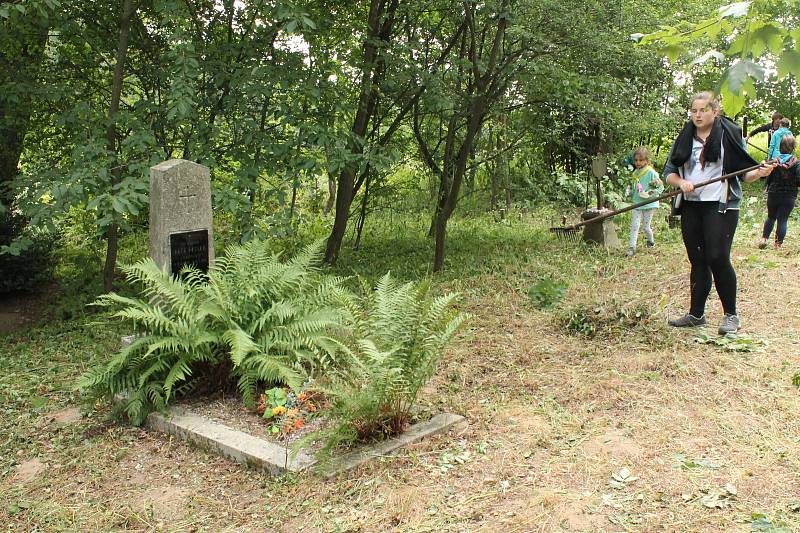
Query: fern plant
[269, 321]
[276, 319]
[398, 334]
[175, 334]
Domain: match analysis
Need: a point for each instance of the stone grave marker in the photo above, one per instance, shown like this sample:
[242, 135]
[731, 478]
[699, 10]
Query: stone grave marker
[604, 232]
[181, 230]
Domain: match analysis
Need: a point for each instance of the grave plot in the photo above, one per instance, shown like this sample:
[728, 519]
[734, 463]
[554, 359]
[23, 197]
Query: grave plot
[244, 442]
[268, 437]
[293, 343]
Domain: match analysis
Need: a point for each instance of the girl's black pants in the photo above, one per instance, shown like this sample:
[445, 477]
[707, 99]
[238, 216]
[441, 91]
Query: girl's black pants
[708, 236]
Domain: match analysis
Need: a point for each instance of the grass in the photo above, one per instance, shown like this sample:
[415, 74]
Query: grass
[554, 412]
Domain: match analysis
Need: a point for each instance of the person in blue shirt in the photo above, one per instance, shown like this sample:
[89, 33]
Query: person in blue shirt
[775, 143]
[769, 127]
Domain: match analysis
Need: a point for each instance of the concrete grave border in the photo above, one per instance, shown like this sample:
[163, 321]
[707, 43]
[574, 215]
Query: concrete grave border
[268, 456]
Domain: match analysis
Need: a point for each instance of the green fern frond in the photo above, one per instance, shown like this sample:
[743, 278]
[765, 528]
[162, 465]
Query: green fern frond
[309, 257]
[240, 343]
[247, 385]
[179, 372]
[157, 368]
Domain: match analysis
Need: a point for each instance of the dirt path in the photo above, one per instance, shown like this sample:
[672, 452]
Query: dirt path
[709, 438]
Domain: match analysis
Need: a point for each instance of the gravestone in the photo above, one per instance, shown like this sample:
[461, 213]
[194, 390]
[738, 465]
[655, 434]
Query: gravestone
[181, 230]
[604, 232]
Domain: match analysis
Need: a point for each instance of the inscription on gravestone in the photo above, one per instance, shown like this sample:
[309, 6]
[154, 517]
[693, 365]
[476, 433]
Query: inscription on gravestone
[189, 248]
[181, 232]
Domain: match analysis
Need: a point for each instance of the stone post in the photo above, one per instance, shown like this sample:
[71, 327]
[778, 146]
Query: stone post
[181, 230]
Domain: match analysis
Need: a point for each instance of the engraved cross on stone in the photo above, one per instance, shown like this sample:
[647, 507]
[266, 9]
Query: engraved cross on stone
[185, 200]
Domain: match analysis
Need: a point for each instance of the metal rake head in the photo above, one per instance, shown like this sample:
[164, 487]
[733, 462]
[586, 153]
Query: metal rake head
[567, 233]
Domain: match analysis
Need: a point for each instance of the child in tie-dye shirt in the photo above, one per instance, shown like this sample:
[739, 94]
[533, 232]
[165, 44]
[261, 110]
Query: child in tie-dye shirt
[646, 184]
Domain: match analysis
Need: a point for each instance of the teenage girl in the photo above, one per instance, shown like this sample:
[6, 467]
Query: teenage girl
[709, 146]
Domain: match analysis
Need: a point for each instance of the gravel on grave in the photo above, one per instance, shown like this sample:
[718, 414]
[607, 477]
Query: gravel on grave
[229, 410]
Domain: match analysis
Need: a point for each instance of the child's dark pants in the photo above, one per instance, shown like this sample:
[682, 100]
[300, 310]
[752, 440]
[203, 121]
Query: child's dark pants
[778, 208]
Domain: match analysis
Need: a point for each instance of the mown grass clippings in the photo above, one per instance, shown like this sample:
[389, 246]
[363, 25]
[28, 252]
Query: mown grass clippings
[610, 319]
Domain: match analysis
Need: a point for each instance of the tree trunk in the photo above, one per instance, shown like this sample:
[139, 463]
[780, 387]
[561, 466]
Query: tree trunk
[294, 202]
[344, 198]
[379, 24]
[112, 232]
[440, 226]
[493, 168]
[477, 104]
[362, 217]
[331, 195]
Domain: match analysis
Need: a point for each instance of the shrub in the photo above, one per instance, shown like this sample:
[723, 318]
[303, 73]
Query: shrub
[26, 259]
[398, 335]
[254, 316]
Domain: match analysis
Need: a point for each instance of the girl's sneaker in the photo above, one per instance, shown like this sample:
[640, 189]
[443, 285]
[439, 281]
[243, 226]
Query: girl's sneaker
[778, 245]
[650, 244]
[687, 321]
[630, 252]
[730, 324]
[762, 244]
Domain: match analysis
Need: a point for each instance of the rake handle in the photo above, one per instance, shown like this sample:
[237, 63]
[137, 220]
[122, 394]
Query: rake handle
[756, 147]
[662, 196]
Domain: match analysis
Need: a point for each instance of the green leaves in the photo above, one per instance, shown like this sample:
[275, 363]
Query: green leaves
[738, 81]
[546, 293]
[762, 522]
[269, 320]
[789, 63]
[398, 334]
[732, 343]
[755, 36]
[183, 88]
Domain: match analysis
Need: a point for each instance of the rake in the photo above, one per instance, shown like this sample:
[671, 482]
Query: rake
[570, 233]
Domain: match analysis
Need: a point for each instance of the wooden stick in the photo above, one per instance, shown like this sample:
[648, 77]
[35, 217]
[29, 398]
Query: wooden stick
[662, 196]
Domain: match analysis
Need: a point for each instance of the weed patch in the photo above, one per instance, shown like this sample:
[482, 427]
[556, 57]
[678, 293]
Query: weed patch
[546, 293]
[610, 319]
[732, 342]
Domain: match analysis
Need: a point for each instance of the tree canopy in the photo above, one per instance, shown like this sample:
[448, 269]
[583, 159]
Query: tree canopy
[413, 106]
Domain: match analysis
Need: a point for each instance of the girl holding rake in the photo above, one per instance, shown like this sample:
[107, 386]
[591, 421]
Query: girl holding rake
[708, 146]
